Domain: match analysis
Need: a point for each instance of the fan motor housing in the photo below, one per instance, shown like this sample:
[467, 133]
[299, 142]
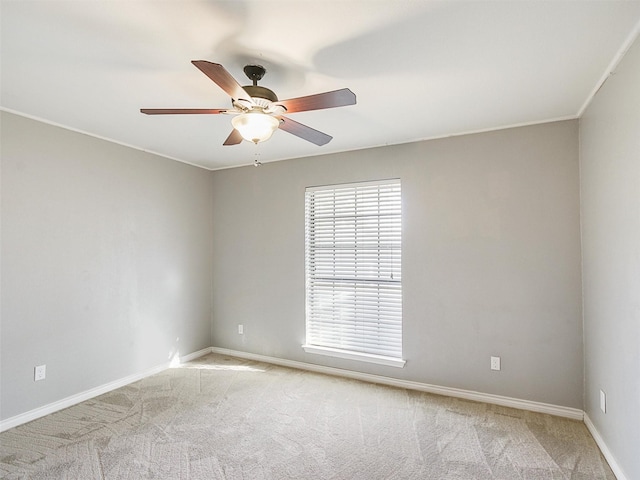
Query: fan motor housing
[261, 92]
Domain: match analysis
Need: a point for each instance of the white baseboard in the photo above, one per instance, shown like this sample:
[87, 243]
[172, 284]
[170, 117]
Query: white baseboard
[91, 393]
[194, 355]
[617, 470]
[567, 412]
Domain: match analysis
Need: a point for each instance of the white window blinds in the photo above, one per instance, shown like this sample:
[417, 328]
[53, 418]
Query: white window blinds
[353, 268]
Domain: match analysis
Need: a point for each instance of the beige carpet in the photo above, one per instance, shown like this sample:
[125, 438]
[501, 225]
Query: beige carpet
[225, 418]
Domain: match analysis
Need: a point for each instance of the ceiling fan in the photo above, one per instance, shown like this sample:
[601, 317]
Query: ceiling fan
[258, 111]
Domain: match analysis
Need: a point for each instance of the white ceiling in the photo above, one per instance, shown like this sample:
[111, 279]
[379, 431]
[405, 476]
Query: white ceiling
[420, 69]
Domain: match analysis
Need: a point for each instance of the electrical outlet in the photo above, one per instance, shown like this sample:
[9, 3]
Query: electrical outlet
[603, 401]
[240, 329]
[39, 373]
[495, 363]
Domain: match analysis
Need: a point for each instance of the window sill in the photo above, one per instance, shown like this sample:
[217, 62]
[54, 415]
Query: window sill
[363, 357]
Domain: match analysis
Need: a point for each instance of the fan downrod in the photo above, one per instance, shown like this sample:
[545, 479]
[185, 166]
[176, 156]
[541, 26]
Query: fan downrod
[255, 73]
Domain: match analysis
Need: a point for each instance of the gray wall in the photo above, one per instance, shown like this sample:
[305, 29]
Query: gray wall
[491, 259]
[106, 262]
[610, 191]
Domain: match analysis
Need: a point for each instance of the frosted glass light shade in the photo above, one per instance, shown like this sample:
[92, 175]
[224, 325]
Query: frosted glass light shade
[255, 127]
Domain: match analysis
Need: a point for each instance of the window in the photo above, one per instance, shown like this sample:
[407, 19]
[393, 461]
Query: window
[353, 271]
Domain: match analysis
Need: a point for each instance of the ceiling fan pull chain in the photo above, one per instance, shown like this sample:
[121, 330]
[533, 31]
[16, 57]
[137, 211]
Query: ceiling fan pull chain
[256, 161]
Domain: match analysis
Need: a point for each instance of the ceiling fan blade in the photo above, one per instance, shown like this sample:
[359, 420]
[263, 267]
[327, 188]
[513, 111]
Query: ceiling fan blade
[304, 132]
[223, 79]
[178, 111]
[234, 138]
[337, 98]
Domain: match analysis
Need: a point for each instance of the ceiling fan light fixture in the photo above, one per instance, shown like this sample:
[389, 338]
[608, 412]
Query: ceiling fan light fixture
[259, 112]
[255, 126]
